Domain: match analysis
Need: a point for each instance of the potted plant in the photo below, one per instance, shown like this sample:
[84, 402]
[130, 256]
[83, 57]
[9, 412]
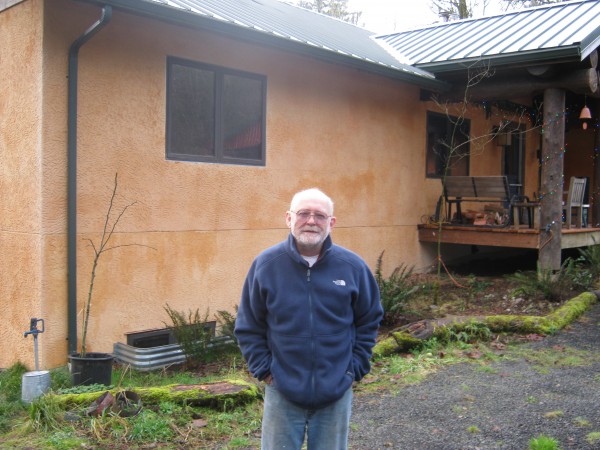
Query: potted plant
[88, 368]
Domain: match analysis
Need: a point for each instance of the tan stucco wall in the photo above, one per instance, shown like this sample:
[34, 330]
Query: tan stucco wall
[21, 238]
[326, 126]
[580, 156]
[359, 137]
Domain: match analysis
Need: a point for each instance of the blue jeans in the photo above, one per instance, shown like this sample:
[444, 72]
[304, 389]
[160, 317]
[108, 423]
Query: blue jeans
[285, 425]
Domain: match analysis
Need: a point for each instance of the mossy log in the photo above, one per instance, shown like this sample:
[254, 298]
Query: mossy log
[217, 395]
[411, 336]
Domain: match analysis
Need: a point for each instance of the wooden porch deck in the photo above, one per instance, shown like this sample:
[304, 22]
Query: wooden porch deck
[521, 237]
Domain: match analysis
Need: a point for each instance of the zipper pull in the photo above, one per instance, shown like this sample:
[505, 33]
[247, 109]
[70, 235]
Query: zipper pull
[308, 274]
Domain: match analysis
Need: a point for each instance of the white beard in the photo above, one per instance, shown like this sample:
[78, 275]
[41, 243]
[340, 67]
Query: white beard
[311, 241]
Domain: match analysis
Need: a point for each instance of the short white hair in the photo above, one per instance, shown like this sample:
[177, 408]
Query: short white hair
[312, 194]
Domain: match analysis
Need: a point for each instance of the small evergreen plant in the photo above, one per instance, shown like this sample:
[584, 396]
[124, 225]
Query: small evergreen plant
[193, 333]
[395, 290]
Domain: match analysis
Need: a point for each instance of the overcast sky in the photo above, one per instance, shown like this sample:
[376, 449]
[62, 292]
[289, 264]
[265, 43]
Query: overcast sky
[382, 16]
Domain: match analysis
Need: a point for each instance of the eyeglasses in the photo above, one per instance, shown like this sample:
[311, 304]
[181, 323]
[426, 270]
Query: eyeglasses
[304, 216]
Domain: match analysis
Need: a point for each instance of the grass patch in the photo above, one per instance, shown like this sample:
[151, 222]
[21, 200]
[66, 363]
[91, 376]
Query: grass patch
[150, 426]
[487, 369]
[555, 357]
[46, 423]
[459, 409]
[400, 370]
[543, 442]
[593, 438]
[554, 414]
[582, 422]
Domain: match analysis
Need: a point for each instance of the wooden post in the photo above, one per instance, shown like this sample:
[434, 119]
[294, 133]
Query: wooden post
[595, 188]
[553, 141]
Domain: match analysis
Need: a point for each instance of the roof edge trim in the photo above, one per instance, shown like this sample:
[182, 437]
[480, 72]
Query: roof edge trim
[530, 58]
[589, 45]
[164, 13]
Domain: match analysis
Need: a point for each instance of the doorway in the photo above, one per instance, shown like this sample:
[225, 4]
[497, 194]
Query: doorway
[513, 159]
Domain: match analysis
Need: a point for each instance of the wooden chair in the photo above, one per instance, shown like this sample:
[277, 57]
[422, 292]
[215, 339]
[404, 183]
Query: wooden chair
[575, 198]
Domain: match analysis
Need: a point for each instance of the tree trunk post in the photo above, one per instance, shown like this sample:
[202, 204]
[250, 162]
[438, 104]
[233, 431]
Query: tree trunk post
[595, 189]
[553, 141]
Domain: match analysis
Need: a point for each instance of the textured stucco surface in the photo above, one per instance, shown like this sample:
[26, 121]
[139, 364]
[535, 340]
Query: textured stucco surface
[20, 177]
[194, 228]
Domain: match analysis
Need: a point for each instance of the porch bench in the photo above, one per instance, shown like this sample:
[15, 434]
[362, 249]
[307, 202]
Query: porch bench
[488, 189]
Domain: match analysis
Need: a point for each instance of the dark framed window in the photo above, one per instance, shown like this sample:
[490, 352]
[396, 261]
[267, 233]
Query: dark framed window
[447, 145]
[215, 114]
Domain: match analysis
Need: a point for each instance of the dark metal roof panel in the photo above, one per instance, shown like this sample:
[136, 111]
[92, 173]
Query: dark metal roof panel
[573, 25]
[280, 23]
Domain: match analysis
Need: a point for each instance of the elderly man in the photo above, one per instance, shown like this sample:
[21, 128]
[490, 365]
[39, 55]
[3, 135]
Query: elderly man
[306, 325]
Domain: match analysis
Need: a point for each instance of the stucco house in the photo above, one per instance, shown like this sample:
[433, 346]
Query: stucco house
[213, 114]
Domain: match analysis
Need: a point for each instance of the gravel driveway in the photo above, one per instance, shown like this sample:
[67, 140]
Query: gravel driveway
[463, 407]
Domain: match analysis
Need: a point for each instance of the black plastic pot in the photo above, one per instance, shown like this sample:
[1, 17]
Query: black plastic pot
[94, 368]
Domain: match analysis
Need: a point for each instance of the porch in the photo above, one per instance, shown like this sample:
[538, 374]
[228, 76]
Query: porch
[521, 237]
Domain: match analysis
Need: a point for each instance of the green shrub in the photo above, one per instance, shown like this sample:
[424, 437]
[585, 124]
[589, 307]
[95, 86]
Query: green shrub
[60, 378]
[544, 283]
[543, 443]
[585, 270]
[395, 290]
[10, 395]
[10, 383]
[591, 257]
[193, 334]
[578, 274]
[226, 322]
[45, 414]
[197, 338]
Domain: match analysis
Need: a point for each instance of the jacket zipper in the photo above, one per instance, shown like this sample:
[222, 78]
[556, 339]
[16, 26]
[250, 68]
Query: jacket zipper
[312, 338]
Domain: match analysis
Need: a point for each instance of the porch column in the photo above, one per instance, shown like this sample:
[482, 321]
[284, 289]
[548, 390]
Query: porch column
[553, 141]
[595, 188]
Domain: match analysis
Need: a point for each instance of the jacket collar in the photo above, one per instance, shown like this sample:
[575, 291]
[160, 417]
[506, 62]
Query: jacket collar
[293, 250]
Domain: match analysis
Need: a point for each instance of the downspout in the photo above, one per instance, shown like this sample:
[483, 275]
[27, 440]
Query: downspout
[72, 175]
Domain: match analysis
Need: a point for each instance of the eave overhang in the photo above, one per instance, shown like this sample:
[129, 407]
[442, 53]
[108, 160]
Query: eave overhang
[571, 54]
[195, 21]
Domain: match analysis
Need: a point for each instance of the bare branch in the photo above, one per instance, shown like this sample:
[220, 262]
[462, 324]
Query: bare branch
[127, 245]
[107, 233]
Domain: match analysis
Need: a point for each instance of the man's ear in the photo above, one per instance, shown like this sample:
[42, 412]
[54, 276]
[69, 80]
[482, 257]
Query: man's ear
[332, 221]
[288, 219]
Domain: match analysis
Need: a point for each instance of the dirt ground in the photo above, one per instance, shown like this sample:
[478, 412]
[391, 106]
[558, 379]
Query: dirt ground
[481, 286]
[469, 296]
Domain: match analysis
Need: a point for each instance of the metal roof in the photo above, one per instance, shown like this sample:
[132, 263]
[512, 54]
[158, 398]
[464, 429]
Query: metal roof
[559, 31]
[274, 23]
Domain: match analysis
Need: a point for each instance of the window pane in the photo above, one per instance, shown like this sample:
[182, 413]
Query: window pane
[191, 111]
[447, 146]
[215, 114]
[436, 145]
[242, 117]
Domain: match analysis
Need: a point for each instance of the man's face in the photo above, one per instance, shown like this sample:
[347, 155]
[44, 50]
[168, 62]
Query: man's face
[310, 224]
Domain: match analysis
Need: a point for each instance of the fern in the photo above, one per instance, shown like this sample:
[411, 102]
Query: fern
[395, 290]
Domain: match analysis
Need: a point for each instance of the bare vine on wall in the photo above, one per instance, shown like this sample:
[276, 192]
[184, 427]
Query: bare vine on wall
[110, 225]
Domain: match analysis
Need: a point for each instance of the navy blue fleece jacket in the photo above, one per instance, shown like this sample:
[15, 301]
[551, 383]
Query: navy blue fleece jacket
[311, 328]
